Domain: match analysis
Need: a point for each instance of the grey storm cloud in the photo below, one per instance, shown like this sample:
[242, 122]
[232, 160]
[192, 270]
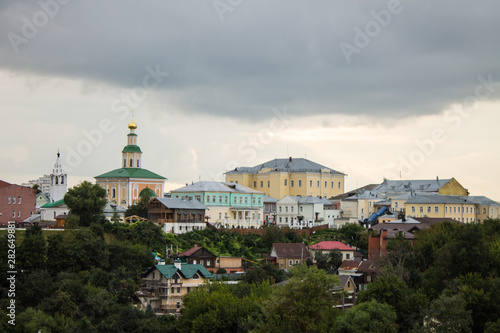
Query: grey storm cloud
[242, 58]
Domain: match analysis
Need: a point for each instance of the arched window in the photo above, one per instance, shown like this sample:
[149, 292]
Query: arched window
[137, 162]
[124, 163]
[114, 194]
[57, 180]
[131, 162]
[62, 179]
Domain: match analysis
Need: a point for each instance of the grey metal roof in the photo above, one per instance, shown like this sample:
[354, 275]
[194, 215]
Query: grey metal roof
[175, 203]
[438, 199]
[482, 200]
[432, 185]
[286, 165]
[367, 195]
[213, 186]
[268, 199]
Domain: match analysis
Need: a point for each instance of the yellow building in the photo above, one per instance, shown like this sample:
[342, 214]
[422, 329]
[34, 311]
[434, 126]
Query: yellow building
[126, 185]
[290, 176]
[487, 208]
[443, 206]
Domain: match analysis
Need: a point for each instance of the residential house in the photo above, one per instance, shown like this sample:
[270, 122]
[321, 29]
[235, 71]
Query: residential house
[230, 264]
[269, 209]
[290, 176]
[197, 255]
[326, 247]
[362, 272]
[177, 216]
[230, 205]
[347, 290]
[17, 203]
[287, 255]
[111, 208]
[406, 227]
[163, 286]
[299, 211]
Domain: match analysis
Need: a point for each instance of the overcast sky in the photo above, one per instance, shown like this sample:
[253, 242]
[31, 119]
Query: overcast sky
[373, 89]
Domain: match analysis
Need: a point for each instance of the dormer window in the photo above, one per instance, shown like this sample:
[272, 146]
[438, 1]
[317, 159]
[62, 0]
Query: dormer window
[196, 276]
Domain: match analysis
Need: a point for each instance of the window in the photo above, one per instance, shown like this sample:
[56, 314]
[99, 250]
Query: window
[286, 182]
[317, 183]
[18, 200]
[333, 184]
[208, 263]
[413, 209]
[436, 209]
[300, 183]
[340, 185]
[246, 200]
[467, 210]
[14, 200]
[214, 199]
[220, 216]
[208, 198]
[290, 262]
[253, 200]
[301, 209]
[396, 204]
[310, 183]
[362, 210]
[296, 261]
[226, 199]
[347, 256]
[172, 290]
[201, 262]
[114, 194]
[197, 197]
[428, 209]
[220, 199]
[124, 163]
[326, 184]
[131, 165]
[421, 209]
[286, 209]
[446, 209]
[286, 219]
[14, 213]
[8, 200]
[137, 165]
[261, 183]
[454, 209]
[268, 183]
[194, 261]
[259, 200]
[279, 209]
[254, 184]
[292, 183]
[178, 290]
[281, 219]
[234, 200]
[178, 305]
[291, 208]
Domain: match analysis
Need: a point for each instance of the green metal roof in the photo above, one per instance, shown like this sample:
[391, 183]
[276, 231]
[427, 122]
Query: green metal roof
[130, 173]
[131, 134]
[187, 270]
[131, 149]
[57, 203]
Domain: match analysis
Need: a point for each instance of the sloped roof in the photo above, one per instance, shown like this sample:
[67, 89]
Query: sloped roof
[175, 203]
[191, 251]
[350, 265]
[354, 192]
[438, 199]
[268, 199]
[57, 203]
[343, 281]
[186, 270]
[290, 250]
[3, 184]
[130, 173]
[286, 165]
[367, 195]
[331, 245]
[482, 200]
[214, 186]
[431, 185]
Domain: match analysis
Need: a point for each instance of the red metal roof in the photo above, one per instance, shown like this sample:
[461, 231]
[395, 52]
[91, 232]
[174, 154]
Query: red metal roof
[331, 245]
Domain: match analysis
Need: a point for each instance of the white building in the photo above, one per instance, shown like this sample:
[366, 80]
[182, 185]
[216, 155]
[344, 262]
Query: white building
[299, 211]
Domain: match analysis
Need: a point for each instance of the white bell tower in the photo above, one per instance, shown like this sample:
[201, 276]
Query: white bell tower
[58, 181]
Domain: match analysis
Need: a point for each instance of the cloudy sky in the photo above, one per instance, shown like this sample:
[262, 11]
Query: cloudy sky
[373, 89]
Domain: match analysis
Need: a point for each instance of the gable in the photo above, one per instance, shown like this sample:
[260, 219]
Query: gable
[453, 187]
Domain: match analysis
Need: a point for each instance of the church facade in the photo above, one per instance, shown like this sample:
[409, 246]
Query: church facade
[126, 185]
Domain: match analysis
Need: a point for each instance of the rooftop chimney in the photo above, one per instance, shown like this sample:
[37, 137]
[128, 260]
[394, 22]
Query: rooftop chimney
[290, 159]
[177, 264]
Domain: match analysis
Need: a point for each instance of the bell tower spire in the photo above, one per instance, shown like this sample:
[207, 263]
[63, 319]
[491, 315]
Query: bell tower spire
[132, 154]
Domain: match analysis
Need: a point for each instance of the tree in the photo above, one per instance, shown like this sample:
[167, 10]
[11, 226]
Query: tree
[329, 262]
[446, 314]
[141, 207]
[267, 272]
[33, 250]
[368, 317]
[304, 304]
[36, 187]
[86, 201]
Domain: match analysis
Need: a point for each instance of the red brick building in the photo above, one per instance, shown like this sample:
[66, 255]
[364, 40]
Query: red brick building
[17, 203]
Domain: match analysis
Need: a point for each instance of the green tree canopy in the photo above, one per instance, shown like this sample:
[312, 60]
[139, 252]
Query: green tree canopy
[86, 201]
[369, 317]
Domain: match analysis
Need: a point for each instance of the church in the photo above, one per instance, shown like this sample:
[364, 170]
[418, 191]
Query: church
[126, 185]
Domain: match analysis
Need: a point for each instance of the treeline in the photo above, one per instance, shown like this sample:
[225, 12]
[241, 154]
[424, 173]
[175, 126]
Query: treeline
[74, 281]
